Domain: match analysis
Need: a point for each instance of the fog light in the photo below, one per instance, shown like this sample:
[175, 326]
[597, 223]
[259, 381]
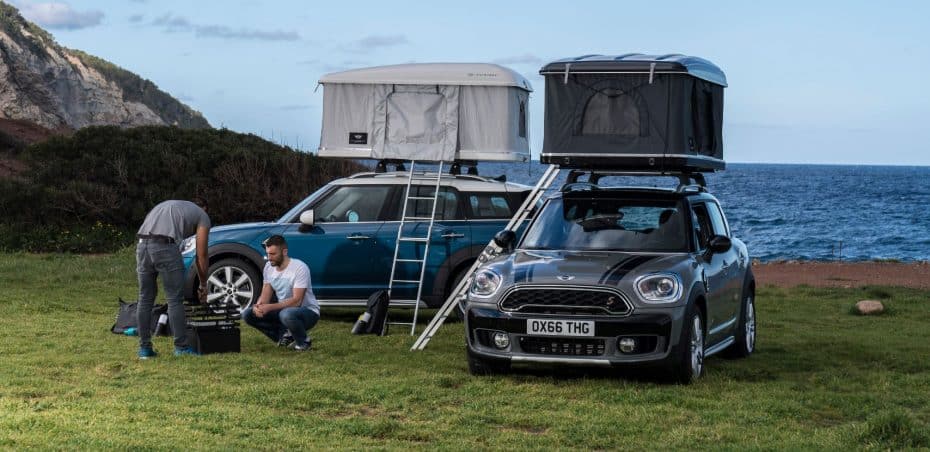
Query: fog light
[627, 344]
[501, 340]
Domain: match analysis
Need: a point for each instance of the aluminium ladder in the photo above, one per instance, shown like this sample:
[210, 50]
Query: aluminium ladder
[490, 251]
[415, 240]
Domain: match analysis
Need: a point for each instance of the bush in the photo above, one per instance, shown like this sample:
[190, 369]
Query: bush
[108, 178]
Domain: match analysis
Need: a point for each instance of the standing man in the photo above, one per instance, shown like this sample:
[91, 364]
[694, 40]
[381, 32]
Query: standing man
[296, 310]
[159, 253]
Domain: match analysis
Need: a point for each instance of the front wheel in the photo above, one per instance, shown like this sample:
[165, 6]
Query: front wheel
[233, 282]
[482, 366]
[687, 363]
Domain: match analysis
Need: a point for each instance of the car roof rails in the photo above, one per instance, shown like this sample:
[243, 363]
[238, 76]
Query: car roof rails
[687, 181]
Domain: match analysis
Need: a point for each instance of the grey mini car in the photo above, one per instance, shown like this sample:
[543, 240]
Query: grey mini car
[615, 277]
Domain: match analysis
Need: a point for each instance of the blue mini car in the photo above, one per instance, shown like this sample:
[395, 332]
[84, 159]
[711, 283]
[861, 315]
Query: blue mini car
[346, 232]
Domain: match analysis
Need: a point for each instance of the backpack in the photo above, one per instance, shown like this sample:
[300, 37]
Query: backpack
[374, 320]
[126, 318]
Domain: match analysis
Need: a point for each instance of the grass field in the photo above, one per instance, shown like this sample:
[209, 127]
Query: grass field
[822, 378]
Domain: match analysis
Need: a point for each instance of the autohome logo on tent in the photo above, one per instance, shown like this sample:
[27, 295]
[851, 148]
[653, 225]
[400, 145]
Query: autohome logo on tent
[482, 74]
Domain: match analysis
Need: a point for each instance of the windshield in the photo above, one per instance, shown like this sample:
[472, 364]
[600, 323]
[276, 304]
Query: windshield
[608, 224]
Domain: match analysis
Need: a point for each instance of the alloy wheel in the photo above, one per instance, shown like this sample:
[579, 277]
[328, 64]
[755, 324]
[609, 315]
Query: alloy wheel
[750, 325]
[229, 285]
[697, 347]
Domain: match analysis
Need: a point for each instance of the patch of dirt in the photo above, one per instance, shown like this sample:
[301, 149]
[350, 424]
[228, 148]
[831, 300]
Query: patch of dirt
[27, 132]
[843, 274]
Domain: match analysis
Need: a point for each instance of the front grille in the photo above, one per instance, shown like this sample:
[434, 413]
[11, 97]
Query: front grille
[562, 346]
[549, 300]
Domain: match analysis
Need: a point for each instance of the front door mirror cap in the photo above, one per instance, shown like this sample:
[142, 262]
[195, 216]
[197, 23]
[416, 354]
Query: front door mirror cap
[505, 240]
[306, 218]
[719, 244]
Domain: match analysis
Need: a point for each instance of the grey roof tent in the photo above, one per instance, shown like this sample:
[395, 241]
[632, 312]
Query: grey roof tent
[426, 112]
[634, 111]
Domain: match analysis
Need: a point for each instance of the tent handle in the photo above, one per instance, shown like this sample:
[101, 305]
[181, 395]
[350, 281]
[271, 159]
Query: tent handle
[567, 67]
[652, 71]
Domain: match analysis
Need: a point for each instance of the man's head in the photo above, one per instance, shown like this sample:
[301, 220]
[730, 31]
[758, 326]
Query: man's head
[276, 249]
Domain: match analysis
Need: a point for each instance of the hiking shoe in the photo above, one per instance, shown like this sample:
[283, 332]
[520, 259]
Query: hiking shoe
[286, 339]
[187, 351]
[146, 353]
[302, 347]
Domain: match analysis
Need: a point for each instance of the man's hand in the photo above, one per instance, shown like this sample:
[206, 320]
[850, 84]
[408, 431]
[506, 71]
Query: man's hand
[202, 294]
[259, 310]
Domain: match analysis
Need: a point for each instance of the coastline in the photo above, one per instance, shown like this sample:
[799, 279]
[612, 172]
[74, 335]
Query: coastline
[915, 275]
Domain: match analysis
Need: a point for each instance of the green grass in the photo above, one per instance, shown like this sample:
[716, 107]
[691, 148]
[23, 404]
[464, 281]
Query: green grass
[822, 378]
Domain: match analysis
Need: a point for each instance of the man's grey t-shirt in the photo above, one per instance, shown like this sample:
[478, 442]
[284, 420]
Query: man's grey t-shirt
[175, 219]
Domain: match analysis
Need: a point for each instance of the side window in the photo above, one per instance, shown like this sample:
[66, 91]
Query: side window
[447, 206]
[702, 225]
[716, 218]
[522, 119]
[350, 204]
[489, 205]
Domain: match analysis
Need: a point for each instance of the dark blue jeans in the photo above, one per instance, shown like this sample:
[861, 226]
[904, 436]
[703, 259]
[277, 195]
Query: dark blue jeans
[296, 320]
[154, 259]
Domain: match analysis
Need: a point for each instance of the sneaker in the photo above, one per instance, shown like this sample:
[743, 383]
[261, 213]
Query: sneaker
[146, 353]
[186, 351]
[286, 339]
[302, 347]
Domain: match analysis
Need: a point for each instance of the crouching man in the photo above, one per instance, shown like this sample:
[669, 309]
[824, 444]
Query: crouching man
[296, 311]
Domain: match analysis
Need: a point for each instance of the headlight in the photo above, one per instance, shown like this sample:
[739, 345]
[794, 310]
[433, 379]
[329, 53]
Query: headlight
[189, 244]
[486, 282]
[659, 288]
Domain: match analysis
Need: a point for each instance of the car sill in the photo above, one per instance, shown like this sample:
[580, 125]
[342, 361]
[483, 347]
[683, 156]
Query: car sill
[719, 347]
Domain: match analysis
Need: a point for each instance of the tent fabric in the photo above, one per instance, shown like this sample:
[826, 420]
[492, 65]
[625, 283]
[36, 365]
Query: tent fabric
[426, 121]
[633, 120]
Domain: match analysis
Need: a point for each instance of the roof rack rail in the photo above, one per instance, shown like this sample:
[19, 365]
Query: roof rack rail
[685, 178]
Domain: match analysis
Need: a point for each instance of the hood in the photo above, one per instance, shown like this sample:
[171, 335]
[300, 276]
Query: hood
[584, 267]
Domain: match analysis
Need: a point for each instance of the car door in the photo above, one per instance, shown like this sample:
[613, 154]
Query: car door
[342, 247]
[450, 234]
[730, 261]
[713, 266]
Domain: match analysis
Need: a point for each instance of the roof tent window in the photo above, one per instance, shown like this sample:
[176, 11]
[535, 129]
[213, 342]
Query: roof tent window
[611, 112]
[702, 113]
[414, 115]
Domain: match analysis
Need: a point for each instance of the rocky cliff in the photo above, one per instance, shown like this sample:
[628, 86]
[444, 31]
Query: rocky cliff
[59, 88]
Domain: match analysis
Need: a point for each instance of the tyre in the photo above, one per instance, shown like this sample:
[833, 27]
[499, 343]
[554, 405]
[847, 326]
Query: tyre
[745, 333]
[482, 366]
[687, 362]
[234, 282]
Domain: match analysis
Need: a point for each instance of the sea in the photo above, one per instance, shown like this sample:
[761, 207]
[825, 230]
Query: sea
[804, 212]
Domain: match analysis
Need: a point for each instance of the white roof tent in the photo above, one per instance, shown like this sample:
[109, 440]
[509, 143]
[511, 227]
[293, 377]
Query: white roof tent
[634, 112]
[426, 112]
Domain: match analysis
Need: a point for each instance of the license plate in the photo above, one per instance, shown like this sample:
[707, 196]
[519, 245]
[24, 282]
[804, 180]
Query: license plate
[549, 327]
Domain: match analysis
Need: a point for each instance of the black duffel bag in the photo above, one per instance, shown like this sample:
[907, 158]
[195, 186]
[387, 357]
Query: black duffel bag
[126, 318]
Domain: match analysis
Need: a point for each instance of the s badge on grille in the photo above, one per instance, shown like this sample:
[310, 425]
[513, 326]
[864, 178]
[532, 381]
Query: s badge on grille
[565, 277]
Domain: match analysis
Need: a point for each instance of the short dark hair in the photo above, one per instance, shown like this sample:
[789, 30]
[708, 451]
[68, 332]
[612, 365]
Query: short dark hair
[275, 240]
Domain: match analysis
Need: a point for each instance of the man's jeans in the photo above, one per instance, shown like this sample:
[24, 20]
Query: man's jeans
[273, 324]
[155, 259]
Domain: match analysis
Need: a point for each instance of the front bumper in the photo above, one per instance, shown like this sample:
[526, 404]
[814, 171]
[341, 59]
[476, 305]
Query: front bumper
[652, 332]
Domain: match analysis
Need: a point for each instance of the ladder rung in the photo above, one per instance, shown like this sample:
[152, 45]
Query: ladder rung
[421, 197]
[417, 218]
[408, 281]
[414, 239]
[401, 323]
[411, 260]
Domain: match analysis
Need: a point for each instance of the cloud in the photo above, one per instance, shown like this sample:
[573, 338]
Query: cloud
[59, 15]
[375, 42]
[136, 18]
[178, 24]
[526, 58]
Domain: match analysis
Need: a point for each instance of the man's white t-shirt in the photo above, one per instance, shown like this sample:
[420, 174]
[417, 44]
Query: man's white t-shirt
[295, 276]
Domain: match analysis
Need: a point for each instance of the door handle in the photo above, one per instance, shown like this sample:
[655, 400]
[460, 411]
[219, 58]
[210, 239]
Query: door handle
[358, 237]
[452, 235]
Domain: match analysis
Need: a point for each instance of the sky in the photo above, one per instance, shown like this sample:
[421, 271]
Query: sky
[841, 82]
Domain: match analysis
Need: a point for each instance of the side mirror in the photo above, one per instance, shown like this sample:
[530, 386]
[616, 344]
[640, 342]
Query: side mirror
[720, 244]
[505, 239]
[306, 218]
